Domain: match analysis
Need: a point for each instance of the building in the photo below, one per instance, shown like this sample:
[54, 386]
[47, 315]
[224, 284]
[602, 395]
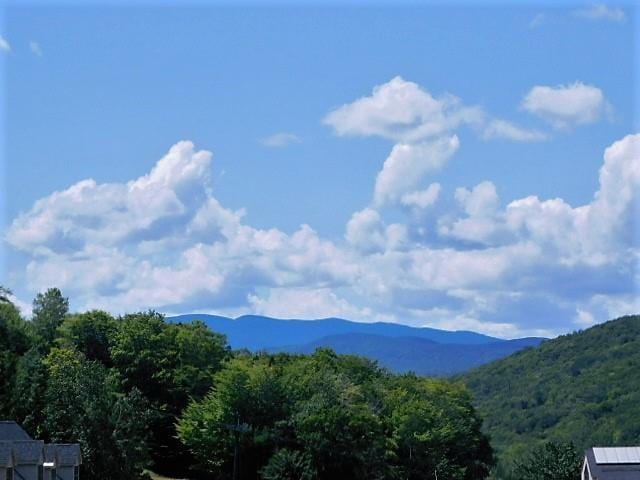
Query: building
[23, 458]
[611, 463]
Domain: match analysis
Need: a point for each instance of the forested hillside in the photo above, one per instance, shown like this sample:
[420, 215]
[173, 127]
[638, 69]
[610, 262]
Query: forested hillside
[583, 387]
[139, 392]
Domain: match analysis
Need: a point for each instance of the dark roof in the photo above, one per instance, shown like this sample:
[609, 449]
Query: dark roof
[6, 453]
[28, 452]
[63, 454]
[612, 471]
[10, 431]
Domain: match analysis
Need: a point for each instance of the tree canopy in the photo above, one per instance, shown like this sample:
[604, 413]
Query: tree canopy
[138, 392]
[327, 416]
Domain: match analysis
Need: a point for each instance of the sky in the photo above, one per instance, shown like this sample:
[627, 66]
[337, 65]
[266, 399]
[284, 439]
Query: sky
[473, 166]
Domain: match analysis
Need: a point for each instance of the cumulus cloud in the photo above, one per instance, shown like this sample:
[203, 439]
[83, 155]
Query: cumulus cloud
[164, 241]
[567, 105]
[407, 164]
[422, 126]
[367, 232]
[422, 198]
[600, 11]
[281, 139]
[305, 303]
[4, 45]
[402, 111]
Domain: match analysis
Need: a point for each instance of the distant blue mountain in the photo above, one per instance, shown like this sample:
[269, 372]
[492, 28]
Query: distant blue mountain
[419, 355]
[426, 351]
[255, 332]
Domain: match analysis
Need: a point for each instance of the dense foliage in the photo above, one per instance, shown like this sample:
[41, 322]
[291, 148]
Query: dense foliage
[550, 461]
[138, 392]
[582, 388]
[326, 416]
[116, 385]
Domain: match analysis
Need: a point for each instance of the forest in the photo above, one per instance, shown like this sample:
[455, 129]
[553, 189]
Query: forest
[140, 393]
[582, 387]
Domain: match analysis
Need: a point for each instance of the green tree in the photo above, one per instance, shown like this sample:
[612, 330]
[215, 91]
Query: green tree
[169, 364]
[5, 295]
[14, 342]
[341, 430]
[27, 400]
[288, 464]
[343, 415]
[91, 333]
[437, 430]
[247, 392]
[49, 311]
[550, 461]
[83, 404]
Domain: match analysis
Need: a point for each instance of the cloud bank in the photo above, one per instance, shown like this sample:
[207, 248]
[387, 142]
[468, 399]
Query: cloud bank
[531, 266]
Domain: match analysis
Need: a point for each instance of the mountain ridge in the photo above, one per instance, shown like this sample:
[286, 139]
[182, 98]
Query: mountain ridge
[309, 330]
[419, 355]
[400, 348]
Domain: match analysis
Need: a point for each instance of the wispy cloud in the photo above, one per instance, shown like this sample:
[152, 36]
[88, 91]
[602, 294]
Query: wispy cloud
[281, 139]
[600, 11]
[4, 45]
[507, 130]
[537, 21]
[35, 48]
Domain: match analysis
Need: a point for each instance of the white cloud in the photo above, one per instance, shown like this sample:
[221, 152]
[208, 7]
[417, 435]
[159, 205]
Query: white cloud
[537, 21]
[164, 241]
[422, 198]
[35, 48]
[566, 105]
[503, 129]
[482, 200]
[420, 124]
[584, 319]
[482, 223]
[366, 232]
[600, 11]
[305, 303]
[402, 111]
[407, 164]
[111, 214]
[281, 139]
[4, 45]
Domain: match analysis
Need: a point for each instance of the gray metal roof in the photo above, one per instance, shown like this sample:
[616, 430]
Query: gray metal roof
[63, 454]
[28, 452]
[10, 431]
[611, 471]
[617, 454]
[16, 445]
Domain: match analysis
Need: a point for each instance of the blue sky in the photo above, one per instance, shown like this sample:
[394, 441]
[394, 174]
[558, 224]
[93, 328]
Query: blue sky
[424, 164]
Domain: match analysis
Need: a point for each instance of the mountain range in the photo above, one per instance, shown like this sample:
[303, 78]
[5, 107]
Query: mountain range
[400, 348]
